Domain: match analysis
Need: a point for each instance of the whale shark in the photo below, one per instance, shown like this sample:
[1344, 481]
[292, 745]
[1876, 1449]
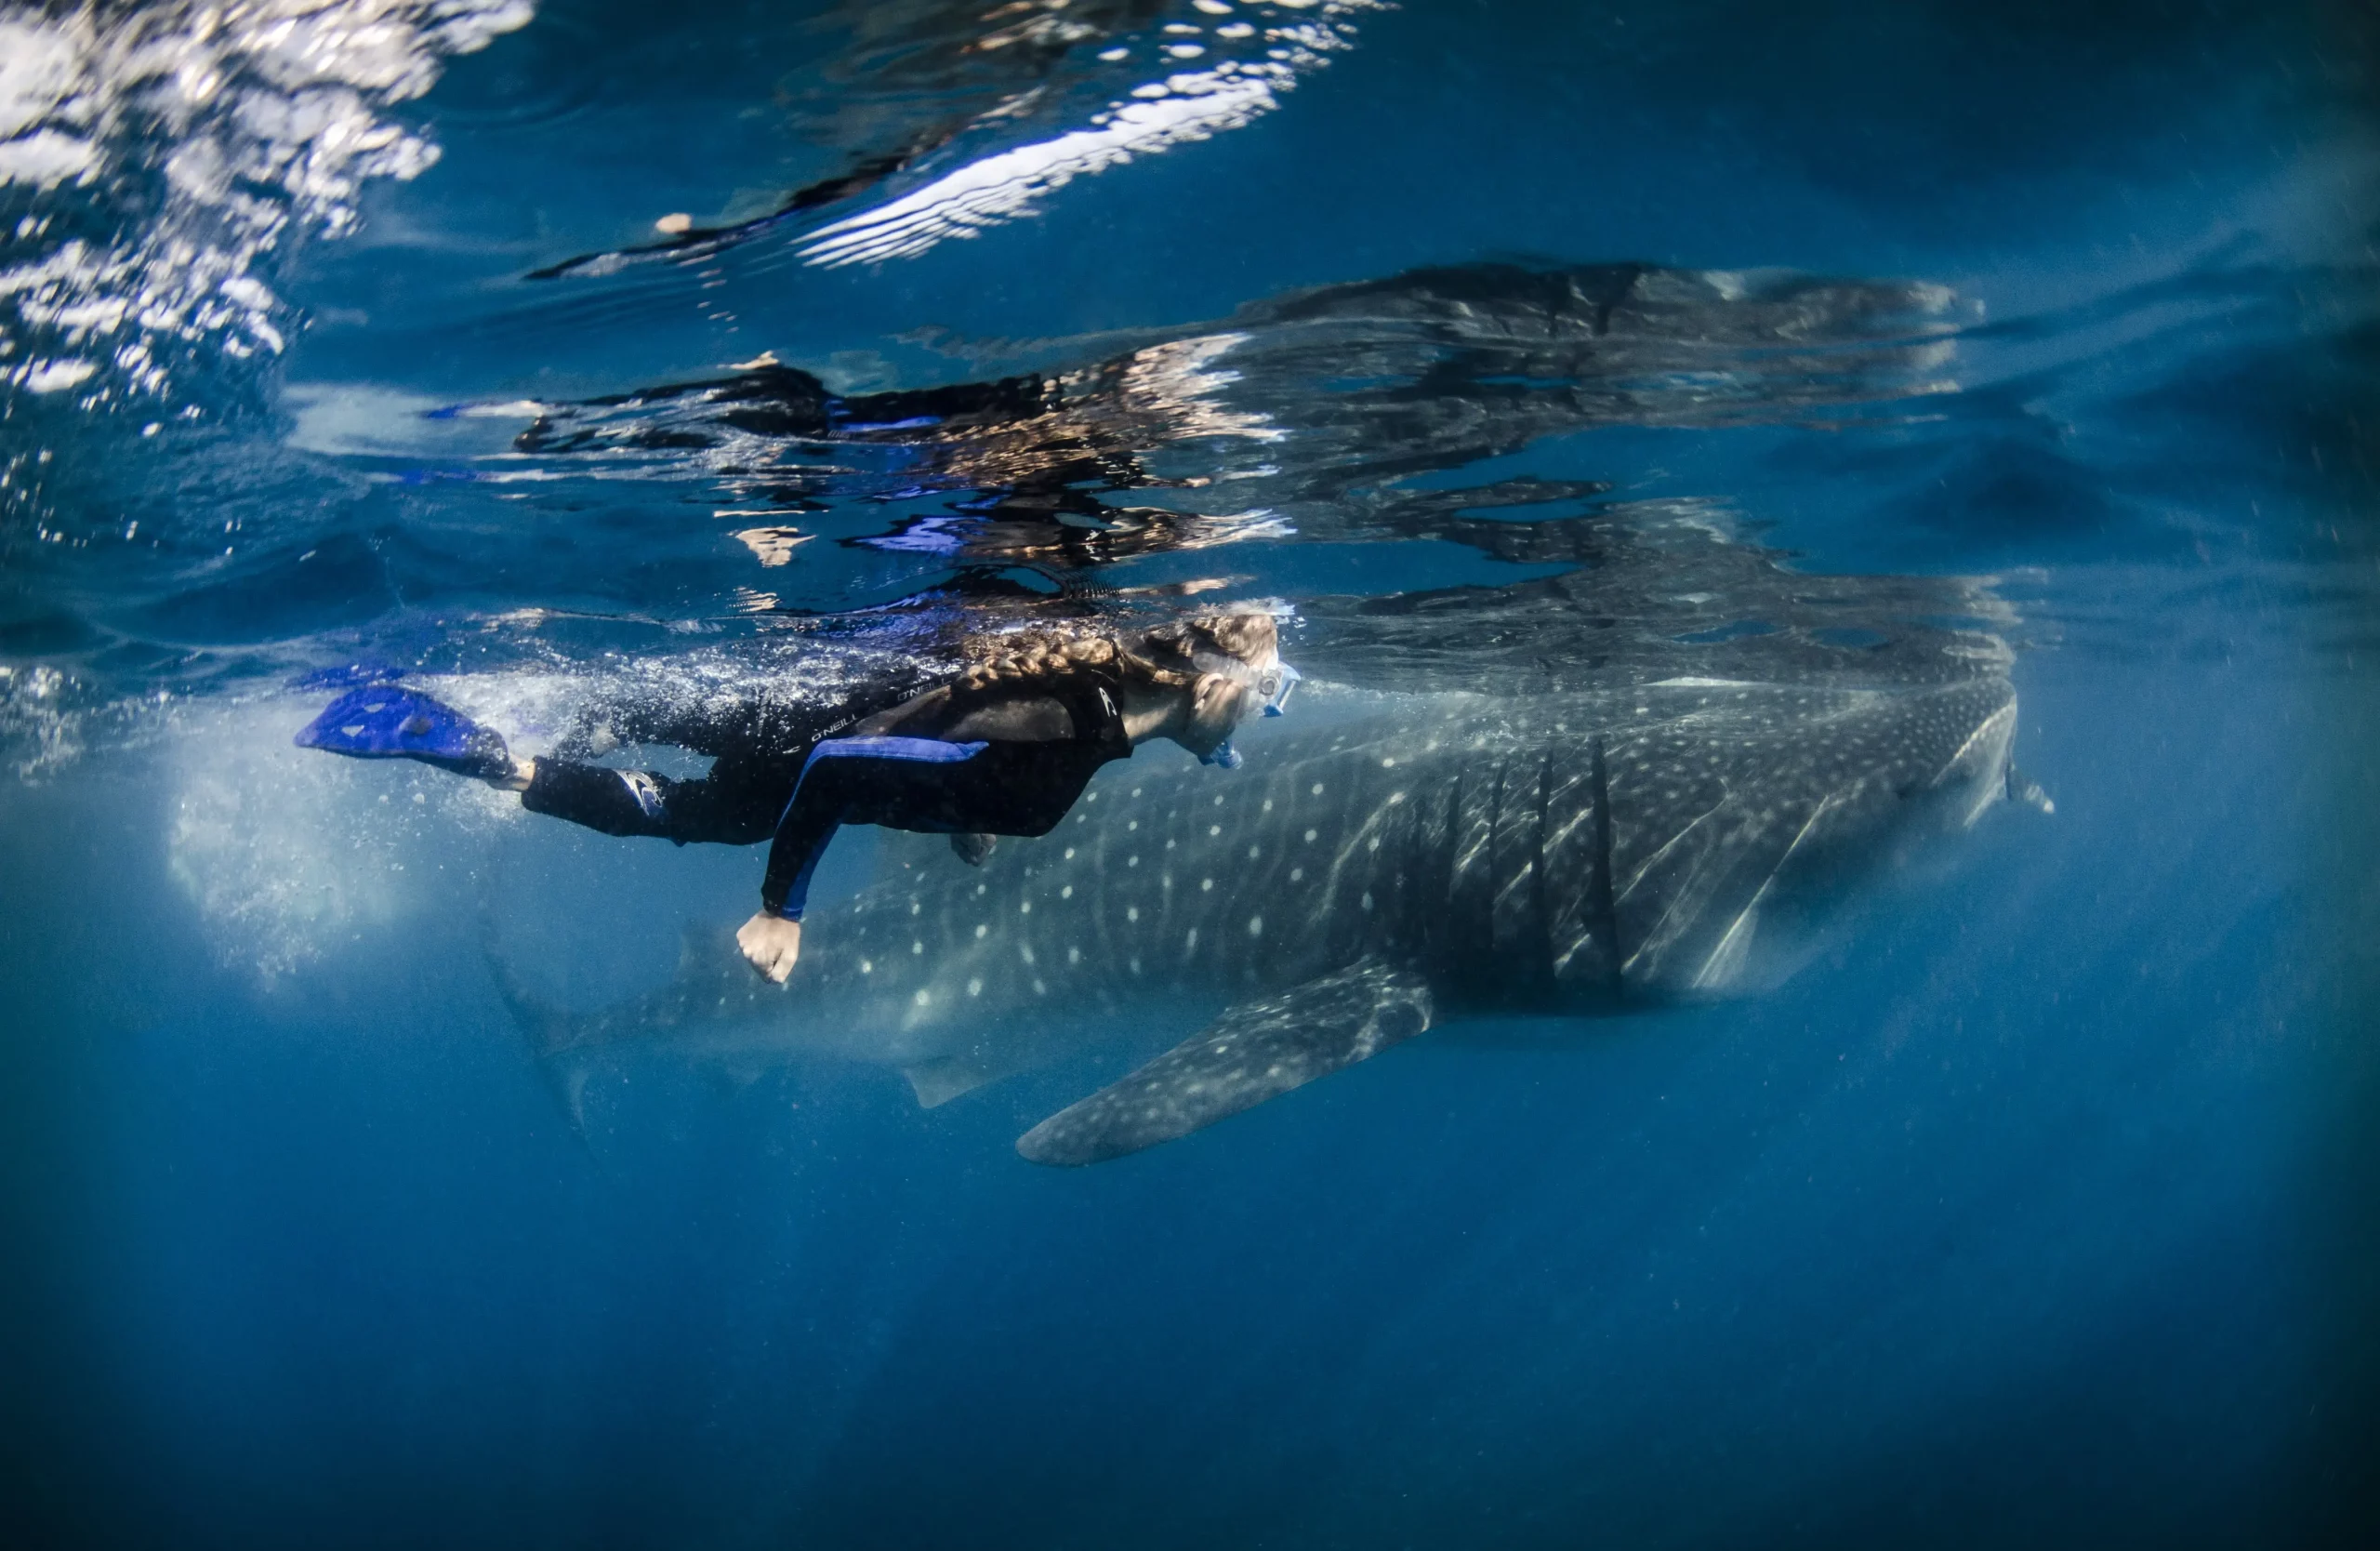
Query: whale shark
[1398, 861]
[1645, 765]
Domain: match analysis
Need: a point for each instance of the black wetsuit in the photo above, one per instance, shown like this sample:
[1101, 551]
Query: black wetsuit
[1016, 760]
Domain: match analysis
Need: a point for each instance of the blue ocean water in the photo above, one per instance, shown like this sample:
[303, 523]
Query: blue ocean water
[2037, 1207]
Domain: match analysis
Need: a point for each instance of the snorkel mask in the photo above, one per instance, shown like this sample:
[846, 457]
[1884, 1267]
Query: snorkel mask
[1270, 686]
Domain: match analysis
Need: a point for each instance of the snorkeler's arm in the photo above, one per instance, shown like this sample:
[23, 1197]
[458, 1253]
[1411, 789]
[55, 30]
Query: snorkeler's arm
[844, 778]
[884, 772]
[771, 942]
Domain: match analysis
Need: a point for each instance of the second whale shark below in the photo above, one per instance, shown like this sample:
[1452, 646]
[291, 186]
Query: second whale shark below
[1398, 861]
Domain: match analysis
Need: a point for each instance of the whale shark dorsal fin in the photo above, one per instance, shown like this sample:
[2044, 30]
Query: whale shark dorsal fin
[1255, 1050]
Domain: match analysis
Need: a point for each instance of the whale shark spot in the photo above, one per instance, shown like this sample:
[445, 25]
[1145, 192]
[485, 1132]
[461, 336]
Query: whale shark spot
[866, 967]
[1066, 893]
[1074, 956]
[923, 997]
[975, 988]
[982, 931]
[917, 947]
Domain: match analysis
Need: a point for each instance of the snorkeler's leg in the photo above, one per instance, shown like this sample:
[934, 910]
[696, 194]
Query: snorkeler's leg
[609, 801]
[714, 726]
[778, 725]
[738, 803]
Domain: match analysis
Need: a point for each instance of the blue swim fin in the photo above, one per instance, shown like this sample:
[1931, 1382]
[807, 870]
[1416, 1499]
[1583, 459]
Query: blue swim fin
[382, 722]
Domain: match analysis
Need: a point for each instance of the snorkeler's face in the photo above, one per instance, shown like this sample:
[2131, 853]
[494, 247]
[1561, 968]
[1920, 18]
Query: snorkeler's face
[1217, 704]
[1230, 689]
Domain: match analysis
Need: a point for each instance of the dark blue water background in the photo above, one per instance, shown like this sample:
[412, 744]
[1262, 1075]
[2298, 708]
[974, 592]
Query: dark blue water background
[2036, 1210]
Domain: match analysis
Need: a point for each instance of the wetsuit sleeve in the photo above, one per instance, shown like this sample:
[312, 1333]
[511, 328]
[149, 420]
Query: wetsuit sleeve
[842, 779]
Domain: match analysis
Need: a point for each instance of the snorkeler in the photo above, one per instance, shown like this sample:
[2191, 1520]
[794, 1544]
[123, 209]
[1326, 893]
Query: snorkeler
[1005, 748]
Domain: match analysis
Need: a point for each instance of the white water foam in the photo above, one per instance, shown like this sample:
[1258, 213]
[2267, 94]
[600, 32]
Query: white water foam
[288, 854]
[209, 135]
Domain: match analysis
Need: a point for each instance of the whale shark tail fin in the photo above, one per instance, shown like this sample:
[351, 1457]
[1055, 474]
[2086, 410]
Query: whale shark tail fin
[1252, 1052]
[552, 1032]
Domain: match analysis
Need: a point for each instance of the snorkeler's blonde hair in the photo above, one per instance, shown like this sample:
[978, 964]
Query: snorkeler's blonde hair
[1160, 659]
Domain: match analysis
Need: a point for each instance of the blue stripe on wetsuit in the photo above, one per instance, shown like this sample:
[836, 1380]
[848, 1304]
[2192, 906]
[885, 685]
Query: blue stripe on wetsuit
[902, 750]
[922, 751]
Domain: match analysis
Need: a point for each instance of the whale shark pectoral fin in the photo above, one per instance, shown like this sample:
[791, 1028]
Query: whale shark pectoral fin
[2021, 788]
[565, 1076]
[1252, 1052]
[937, 1082]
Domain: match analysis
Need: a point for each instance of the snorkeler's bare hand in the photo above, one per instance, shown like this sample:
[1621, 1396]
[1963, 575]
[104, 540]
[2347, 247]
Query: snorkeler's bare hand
[771, 942]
